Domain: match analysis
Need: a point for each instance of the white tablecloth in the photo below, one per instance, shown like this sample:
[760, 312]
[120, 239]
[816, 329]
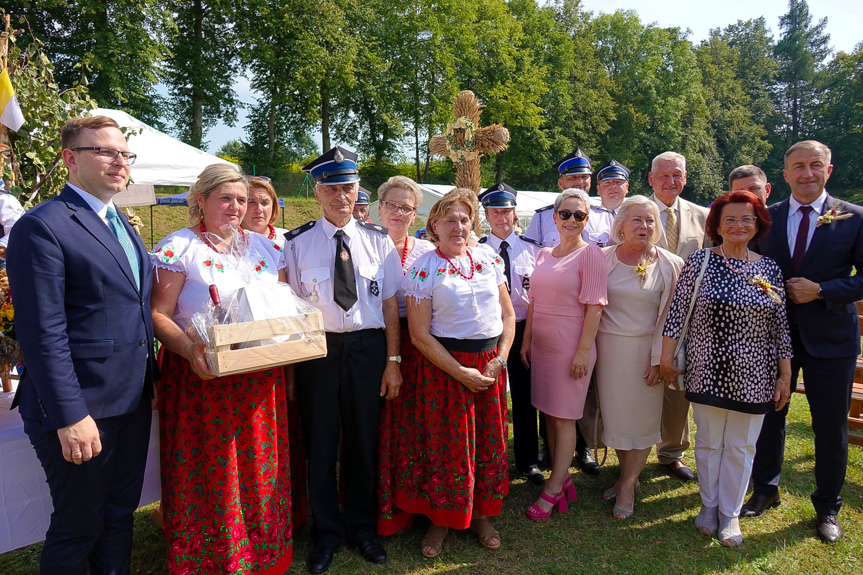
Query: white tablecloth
[25, 503]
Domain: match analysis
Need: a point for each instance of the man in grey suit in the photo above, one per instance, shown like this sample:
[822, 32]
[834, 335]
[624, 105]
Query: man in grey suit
[682, 233]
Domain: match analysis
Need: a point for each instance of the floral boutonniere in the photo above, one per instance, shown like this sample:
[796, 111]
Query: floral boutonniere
[773, 292]
[837, 212]
[641, 270]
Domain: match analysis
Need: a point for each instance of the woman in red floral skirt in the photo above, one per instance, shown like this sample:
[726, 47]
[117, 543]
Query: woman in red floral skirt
[226, 482]
[398, 198]
[452, 464]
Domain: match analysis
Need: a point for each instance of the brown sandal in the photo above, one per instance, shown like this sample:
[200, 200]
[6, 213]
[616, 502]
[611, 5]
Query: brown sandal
[486, 532]
[433, 540]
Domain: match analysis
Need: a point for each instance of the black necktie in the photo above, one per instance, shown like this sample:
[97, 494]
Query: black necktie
[345, 287]
[504, 254]
[802, 238]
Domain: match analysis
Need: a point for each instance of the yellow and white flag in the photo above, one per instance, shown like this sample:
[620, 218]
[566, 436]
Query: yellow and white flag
[10, 111]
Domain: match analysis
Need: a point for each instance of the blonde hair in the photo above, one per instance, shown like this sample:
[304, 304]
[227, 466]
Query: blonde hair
[404, 183]
[258, 183]
[623, 213]
[209, 180]
[455, 196]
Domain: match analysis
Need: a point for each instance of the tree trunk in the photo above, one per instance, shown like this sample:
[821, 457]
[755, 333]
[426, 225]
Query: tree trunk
[271, 131]
[325, 119]
[196, 133]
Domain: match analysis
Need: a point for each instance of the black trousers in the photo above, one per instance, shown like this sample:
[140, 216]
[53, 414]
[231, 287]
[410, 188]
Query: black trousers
[91, 525]
[828, 391]
[340, 400]
[524, 421]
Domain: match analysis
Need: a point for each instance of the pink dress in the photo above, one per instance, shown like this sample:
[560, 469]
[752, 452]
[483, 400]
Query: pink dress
[561, 289]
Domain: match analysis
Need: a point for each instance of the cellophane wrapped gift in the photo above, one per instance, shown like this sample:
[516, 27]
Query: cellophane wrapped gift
[262, 325]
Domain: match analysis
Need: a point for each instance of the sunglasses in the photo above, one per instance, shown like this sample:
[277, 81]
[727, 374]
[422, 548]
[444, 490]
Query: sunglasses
[258, 179]
[566, 214]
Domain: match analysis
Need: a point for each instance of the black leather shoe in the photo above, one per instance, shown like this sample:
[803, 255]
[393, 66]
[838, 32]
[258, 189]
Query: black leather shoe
[758, 504]
[680, 471]
[829, 530]
[320, 559]
[543, 460]
[534, 475]
[586, 462]
[372, 551]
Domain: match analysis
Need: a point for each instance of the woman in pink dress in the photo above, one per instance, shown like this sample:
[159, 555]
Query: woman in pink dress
[567, 292]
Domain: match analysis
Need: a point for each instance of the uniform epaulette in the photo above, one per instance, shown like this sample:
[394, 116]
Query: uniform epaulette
[530, 241]
[548, 207]
[483, 239]
[374, 227]
[303, 228]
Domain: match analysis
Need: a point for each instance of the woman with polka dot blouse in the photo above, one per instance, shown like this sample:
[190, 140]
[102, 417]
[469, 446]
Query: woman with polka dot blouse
[738, 357]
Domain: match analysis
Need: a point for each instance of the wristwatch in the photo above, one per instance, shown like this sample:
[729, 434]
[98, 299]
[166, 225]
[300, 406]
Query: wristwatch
[820, 293]
[502, 361]
[395, 358]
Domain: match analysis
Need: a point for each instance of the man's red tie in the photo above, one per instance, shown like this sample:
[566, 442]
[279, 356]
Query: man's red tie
[802, 236]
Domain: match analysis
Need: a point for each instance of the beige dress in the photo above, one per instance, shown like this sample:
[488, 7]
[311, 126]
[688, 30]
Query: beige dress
[631, 411]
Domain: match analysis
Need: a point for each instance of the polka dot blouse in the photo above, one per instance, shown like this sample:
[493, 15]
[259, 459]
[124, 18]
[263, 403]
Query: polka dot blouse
[737, 332]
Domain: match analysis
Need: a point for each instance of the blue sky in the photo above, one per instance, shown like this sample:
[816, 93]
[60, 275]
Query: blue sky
[844, 24]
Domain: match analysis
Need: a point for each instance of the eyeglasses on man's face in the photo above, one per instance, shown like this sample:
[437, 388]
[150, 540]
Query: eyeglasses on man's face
[109, 155]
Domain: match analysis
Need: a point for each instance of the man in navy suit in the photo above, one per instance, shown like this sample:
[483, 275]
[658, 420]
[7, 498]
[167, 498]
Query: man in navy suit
[80, 279]
[816, 240]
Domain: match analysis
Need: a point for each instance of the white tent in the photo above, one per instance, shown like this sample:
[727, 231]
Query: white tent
[162, 160]
[528, 203]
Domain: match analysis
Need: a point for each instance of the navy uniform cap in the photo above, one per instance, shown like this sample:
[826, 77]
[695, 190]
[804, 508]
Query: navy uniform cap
[362, 198]
[338, 166]
[613, 170]
[500, 195]
[575, 163]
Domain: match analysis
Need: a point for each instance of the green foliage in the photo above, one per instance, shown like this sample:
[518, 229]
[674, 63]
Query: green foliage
[115, 47]
[39, 171]
[202, 67]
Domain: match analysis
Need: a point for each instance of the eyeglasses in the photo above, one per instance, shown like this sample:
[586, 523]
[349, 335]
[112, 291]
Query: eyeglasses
[397, 209]
[745, 220]
[566, 214]
[258, 179]
[110, 154]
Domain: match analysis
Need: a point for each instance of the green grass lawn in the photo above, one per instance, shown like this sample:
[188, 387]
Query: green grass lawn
[660, 538]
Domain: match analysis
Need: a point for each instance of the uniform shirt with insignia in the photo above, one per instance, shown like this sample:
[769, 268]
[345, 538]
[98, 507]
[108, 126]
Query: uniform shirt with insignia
[522, 260]
[310, 252]
[598, 228]
[542, 228]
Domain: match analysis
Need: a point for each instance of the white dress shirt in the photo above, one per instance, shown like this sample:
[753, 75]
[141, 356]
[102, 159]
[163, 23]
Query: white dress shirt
[598, 228]
[542, 228]
[662, 207]
[10, 211]
[100, 207]
[522, 260]
[795, 216]
[310, 253]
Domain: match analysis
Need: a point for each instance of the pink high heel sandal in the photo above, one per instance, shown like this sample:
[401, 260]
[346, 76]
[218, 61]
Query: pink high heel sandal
[569, 489]
[535, 511]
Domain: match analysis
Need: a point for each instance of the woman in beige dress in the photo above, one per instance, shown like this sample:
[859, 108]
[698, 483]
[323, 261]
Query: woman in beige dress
[641, 280]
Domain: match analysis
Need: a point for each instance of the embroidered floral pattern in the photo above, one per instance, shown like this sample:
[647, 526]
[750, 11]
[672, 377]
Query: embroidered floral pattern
[166, 254]
[261, 266]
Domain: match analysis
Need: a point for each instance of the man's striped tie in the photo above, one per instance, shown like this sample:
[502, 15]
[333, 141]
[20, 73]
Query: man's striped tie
[672, 235]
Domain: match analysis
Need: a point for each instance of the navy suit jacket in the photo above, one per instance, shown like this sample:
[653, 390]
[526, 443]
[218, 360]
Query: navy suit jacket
[85, 329]
[829, 328]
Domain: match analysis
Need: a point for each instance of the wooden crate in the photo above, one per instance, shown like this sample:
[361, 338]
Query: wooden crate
[229, 361]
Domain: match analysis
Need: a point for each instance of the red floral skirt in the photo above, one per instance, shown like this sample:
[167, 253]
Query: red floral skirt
[391, 519]
[451, 456]
[226, 481]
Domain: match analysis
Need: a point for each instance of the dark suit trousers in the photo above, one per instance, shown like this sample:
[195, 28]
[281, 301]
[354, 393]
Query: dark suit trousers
[524, 421]
[828, 390]
[91, 524]
[340, 399]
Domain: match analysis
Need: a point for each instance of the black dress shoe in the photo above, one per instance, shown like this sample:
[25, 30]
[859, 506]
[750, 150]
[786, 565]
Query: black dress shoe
[372, 551]
[758, 504]
[320, 559]
[534, 475]
[586, 462]
[543, 459]
[680, 471]
[829, 530]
